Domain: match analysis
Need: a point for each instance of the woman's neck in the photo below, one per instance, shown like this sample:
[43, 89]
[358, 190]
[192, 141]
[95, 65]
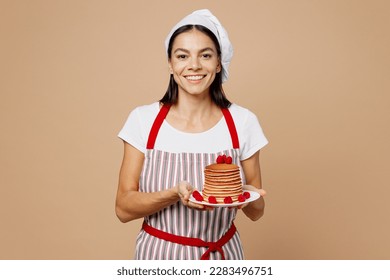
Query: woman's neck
[194, 114]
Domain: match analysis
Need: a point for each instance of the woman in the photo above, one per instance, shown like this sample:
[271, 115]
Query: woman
[167, 144]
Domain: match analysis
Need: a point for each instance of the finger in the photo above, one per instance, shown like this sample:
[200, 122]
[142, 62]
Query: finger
[242, 205]
[209, 208]
[196, 205]
[262, 192]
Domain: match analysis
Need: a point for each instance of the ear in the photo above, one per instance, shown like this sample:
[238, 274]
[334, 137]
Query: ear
[219, 68]
[170, 67]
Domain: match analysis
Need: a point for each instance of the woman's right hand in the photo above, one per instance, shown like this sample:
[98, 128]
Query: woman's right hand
[184, 190]
[132, 204]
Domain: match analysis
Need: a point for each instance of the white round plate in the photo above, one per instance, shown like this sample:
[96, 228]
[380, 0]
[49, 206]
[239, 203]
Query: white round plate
[254, 196]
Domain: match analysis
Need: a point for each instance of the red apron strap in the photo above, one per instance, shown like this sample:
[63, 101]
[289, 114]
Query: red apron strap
[156, 125]
[232, 128]
[163, 113]
[189, 241]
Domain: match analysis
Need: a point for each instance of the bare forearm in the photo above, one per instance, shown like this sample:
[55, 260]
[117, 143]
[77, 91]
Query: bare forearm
[255, 209]
[133, 205]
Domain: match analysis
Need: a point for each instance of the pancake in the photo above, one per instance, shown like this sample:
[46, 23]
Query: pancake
[222, 180]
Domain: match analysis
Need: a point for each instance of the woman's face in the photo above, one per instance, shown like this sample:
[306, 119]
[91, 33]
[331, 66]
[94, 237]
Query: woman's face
[194, 62]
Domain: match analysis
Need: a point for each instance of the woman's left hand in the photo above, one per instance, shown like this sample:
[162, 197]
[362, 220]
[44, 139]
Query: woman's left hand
[253, 189]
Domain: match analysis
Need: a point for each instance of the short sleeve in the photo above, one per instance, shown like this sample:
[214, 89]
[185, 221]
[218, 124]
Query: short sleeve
[253, 138]
[133, 132]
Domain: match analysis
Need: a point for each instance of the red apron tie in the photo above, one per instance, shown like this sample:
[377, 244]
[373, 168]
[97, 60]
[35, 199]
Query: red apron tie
[189, 241]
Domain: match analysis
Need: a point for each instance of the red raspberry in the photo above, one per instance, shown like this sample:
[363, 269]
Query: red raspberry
[213, 200]
[197, 196]
[241, 198]
[228, 200]
[229, 160]
[220, 159]
[247, 195]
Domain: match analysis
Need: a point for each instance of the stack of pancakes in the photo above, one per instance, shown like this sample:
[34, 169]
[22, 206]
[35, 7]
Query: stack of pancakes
[222, 180]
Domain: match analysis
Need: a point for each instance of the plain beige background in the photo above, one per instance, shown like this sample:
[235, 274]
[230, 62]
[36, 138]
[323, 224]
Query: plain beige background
[316, 73]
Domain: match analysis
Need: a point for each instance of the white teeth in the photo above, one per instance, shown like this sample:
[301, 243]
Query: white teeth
[194, 78]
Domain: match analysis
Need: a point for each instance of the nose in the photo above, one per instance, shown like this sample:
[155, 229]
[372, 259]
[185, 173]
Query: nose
[195, 64]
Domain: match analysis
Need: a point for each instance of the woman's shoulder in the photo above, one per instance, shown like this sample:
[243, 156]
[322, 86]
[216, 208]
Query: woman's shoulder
[147, 109]
[234, 107]
[249, 130]
[137, 125]
[241, 114]
[143, 115]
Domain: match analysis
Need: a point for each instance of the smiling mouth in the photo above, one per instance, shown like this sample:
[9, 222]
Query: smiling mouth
[195, 77]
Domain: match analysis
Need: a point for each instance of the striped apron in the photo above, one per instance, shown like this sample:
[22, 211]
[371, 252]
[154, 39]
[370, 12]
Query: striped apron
[163, 170]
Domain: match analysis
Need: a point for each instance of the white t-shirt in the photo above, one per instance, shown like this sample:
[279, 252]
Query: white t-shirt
[250, 134]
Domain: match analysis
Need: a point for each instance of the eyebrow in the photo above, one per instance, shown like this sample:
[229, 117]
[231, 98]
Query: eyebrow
[187, 51]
